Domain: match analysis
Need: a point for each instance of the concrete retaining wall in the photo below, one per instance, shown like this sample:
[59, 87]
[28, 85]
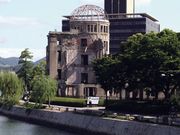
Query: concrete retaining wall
[89, 124]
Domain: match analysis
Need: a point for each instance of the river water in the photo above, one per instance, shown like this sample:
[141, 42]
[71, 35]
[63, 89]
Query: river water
[13, 127]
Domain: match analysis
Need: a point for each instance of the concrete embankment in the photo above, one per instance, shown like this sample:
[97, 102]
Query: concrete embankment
[84, 124]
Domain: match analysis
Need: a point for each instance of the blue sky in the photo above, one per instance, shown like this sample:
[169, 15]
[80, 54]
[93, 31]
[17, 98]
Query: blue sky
[26, 23]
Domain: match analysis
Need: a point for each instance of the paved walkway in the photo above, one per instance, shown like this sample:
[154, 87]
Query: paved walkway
[56, 107]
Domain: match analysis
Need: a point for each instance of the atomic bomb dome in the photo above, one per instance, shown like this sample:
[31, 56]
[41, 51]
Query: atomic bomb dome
[84, 37]
[88, 12]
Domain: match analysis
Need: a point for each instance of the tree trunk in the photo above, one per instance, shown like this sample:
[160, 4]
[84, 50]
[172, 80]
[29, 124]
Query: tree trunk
[173, 90]
[49, 102]
[167, 95]
[106, 101]
[141, 93]
[120, 94]
[156, 95]
[135, 94]
[127, 94]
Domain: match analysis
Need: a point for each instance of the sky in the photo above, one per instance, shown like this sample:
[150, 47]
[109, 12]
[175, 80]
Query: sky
[26, 23]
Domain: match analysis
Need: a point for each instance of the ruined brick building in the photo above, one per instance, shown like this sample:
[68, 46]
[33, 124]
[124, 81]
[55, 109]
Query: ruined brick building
[70, 53]
[87, 34]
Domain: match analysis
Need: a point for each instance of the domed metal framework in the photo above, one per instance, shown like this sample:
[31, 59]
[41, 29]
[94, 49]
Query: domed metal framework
[88, 12]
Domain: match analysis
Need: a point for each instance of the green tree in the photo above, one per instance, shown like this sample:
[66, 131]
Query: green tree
[104, 73]
[39, 69]
[43, 89]
[25, 72]
[146, 62]
[11, 88]
[152, 55]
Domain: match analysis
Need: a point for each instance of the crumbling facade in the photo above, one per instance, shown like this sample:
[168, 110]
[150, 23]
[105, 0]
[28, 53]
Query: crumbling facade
[70, 53]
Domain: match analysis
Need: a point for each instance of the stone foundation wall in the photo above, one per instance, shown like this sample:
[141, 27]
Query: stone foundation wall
[88, 124]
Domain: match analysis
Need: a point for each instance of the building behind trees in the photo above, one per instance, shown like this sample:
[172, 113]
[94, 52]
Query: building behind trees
[87, 34]
[85, 37]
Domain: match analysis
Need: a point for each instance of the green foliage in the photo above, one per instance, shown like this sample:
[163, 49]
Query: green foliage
[25, 73]
[39, 69]
[43, 89]
[152, 55]
[104, 71]
[11, 88]
[65, 101]
[146, 62]
[25, 56]
[178, 35]
[73, 102]
[141, 107]
[39, 86]
[175, 100]
[30, 106]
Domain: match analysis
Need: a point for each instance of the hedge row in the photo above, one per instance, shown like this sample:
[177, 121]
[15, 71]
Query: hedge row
[65, 101]
[141, 107]
[73, 102]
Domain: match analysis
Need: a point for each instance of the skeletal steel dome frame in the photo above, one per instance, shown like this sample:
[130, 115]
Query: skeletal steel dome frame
[88, 12]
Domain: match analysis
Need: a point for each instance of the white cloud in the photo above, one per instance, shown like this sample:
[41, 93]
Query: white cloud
[143, 2]
[15, 52]
[4, 1]
[18, 21]
[2, 40]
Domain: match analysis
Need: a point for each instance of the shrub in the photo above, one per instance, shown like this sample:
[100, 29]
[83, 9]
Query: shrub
[65, 101]
[141, 107]
[43, 88]
[175, 100]
[11, 88]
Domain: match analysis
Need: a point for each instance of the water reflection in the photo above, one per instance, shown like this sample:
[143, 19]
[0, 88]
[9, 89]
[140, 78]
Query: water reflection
[13, 127]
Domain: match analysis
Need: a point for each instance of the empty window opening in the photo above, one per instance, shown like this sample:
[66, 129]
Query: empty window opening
[84, 59]
[95, 28]
[59, 74]
[83, 42]
[59, 56]
[84, 78]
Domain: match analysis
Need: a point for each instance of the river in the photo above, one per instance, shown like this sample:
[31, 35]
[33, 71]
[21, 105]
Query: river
[14, 127]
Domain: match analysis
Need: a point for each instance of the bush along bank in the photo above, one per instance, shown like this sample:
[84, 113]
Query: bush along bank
[71, 102]
[141, 107]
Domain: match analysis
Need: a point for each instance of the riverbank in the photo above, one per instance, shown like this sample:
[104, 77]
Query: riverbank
[91, 125]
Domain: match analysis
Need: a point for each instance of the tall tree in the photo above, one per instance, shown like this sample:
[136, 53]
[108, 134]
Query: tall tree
[104, 73]
[25, 72]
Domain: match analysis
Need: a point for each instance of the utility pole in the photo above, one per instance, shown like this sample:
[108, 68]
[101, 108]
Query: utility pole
[134, 6]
